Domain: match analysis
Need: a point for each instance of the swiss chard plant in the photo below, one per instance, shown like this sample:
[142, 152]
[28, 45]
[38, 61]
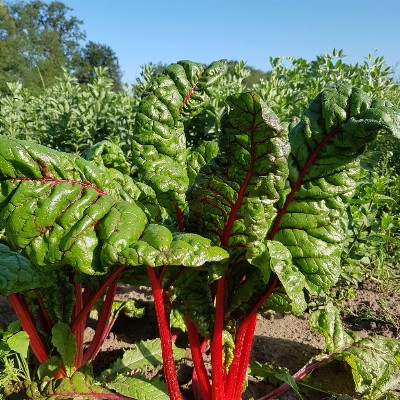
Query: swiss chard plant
[220, 232]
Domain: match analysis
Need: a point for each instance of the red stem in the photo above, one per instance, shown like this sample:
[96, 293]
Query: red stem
[243, 344]
[99, 292]
[171, 377]
[217, 365]
[200, 376]
[103, 327]
[300, 374]
[48, 322]
[81, 326]
[28, 326]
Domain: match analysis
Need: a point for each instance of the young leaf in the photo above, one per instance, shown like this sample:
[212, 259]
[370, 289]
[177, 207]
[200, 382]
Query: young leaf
[145, 354]
[18, 274]
[49, 367]
[140, 388]
[65, 343]
[19, 342]
[159, 142]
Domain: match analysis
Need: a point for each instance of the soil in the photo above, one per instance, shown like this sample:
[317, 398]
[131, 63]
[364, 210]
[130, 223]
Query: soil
[285, 340]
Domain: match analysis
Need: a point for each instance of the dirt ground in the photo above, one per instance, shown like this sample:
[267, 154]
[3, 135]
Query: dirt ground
[283, 339]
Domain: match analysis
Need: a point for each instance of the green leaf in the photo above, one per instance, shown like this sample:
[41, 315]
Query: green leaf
[49, 367]
[159, 246]
[109, 155]
[280, 262]
[325, 146]
[18, 274]
[65, 343]
[191, 287]
[59, 209]
[177, 320]
[375, 365]
[200, 156]
[159, 142]
[77, 387]
[374, 361]
[232, 200]
[273, 374]
[328, 323]
[19, 342]
[140, 388]
[145, 354]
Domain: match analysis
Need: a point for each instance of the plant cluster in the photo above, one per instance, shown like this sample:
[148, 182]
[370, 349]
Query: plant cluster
[220, 232]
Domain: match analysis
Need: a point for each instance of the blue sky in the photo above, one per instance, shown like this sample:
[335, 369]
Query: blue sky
[140, 31]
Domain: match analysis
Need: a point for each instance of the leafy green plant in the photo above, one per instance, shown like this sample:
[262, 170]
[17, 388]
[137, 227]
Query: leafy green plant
[255, 222]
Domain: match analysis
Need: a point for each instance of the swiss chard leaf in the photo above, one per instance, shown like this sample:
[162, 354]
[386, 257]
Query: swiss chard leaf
[145, 354]
[159, 246]
[159, 142]
[60, 209]
[200, 156]
[232, 199]
[18, 274]
[65, 343]
[374, 360]
[138, 387]
[325, 145]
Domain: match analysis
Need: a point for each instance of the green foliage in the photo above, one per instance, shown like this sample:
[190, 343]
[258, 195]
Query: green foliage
[219, 228]
[38, 40]
[95, 55]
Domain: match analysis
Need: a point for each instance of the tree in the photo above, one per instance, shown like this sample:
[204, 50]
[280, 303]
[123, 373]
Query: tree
[37, 40]
[98, 55]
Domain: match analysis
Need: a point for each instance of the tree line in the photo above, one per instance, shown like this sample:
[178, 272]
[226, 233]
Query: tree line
[39, 40]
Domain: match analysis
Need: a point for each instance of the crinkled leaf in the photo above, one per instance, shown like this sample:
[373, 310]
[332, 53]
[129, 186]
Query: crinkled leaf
[328, 323]
[159, 144]
[65, 342]
[311, 221]
[140, 388]
[232, 199]
[18, 274]
[60, 209]
[159, 246]
[145, 354]
[108, 154]
[200, 156]
[280, 262]
[375, 365]
[177, 320]
[374, 361]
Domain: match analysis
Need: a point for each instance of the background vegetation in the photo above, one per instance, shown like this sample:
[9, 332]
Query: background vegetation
[63, 92]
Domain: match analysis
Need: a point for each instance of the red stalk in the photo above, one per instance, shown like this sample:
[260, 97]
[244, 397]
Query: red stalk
[199, 377]
[243, 344]
[171, 377]
[28, 326]
[48, 323]
[81, 327]
[217, 370]
[103, 327]
[300, 374]
[99, 292]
